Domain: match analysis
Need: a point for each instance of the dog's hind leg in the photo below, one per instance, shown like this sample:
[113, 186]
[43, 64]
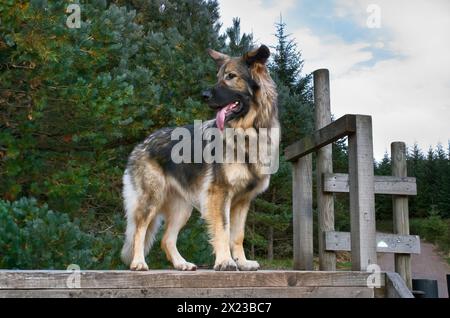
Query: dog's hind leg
[177, 213]
[143, 194]
[142, 224]
[238, 217]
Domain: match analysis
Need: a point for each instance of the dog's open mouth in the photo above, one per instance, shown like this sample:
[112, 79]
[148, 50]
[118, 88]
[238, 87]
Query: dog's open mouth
[222, 114]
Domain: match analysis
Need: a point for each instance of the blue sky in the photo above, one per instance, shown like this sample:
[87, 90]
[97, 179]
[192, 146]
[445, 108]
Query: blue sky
[399, 73]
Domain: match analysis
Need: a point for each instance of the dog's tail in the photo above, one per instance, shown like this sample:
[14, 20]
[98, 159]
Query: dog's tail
[130, 203]
[127, 249]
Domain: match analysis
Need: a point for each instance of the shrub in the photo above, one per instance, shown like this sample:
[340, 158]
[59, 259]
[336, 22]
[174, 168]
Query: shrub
[433, 229]
[34, 237]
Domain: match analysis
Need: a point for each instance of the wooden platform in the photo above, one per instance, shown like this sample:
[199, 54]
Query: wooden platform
[157, 284]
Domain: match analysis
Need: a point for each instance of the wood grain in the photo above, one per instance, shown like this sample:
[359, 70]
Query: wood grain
[175, 279]
[386, 243]
[282, 292]
[302, 201]
[401, 212]
[325, 201]
[339, 183]
[322, 137]
[396, 287]
[362, 196]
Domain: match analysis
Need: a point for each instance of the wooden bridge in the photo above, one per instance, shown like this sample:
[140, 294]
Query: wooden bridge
[365, 280]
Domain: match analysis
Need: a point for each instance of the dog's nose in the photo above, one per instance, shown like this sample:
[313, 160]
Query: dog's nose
[206, 95]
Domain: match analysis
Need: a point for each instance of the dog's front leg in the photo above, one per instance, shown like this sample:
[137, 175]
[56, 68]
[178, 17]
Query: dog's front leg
[217, 215]
[239, 213]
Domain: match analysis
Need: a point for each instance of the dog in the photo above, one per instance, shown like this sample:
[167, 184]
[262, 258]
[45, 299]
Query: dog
[155, 188]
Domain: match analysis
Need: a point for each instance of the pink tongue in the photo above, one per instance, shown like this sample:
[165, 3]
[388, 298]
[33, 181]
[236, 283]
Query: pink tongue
[220, 117]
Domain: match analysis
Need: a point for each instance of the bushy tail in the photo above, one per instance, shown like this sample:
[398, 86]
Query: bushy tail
[131, 199]
[127, 249]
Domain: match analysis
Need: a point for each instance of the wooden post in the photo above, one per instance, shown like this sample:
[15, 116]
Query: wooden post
[303, 213]
[362, 197]
[325, 203]
[400, 207]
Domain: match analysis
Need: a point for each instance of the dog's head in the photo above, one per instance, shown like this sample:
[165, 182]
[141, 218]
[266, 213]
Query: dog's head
[234, 94]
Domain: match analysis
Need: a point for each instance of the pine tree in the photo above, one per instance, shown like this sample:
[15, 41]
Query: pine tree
[287, 61]
[415, 164]
[442, 182]
[295, 98]
[238, 44]
[383, 203]
[430, 181]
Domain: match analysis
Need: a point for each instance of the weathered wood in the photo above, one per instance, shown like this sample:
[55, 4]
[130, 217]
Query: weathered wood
[258, 292]
[396, 287]
[325, 201]
[336, 130]
[175, 279]
[302, 199]
[362, 197]
[339, 183]
[400, 209]
[380, 292]
[386, 243]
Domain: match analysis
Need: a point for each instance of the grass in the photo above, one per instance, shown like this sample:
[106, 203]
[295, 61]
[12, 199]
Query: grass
[343, 263]
[276, 264]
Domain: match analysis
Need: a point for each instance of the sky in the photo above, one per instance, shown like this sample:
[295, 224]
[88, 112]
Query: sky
[387, 58]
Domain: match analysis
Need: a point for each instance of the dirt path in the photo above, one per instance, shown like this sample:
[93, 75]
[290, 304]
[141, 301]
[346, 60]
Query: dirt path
[428, 265]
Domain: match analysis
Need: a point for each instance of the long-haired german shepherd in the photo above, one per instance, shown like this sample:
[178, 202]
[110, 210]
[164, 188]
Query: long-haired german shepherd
[156, 188]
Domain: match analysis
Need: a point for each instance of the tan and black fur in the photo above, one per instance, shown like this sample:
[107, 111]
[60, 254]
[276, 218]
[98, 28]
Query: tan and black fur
[157, 189]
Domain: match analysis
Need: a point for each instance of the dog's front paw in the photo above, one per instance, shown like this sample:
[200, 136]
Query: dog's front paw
[139, 266]
[186, 266]
[226, 265]
[248, 266]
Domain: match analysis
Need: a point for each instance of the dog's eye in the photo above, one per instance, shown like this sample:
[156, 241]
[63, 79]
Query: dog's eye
[230, 76]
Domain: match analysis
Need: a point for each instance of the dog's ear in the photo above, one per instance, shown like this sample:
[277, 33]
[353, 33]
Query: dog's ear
[260, 55]
[218, 57]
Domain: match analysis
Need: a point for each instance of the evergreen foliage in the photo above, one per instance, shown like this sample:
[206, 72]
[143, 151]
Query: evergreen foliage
[74, 103]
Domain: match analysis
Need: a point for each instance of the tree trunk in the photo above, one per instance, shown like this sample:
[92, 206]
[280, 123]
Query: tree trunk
[270, 245]
[252, 248]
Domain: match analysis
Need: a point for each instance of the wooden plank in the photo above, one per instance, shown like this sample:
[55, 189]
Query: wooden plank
[362, 196]
[282, 292]
[302, 199]
[401, 212]
[325, 201]
[175, 279]
[339, 183]
[396, 287]
[338, 129]
[386, 243]
[379, 292]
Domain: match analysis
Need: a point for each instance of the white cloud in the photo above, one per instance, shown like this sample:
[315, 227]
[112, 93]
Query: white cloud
[408, 95]
[256, 16]
[331, 52]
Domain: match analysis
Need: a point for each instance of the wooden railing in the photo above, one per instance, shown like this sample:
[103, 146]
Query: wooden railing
[360, 183]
